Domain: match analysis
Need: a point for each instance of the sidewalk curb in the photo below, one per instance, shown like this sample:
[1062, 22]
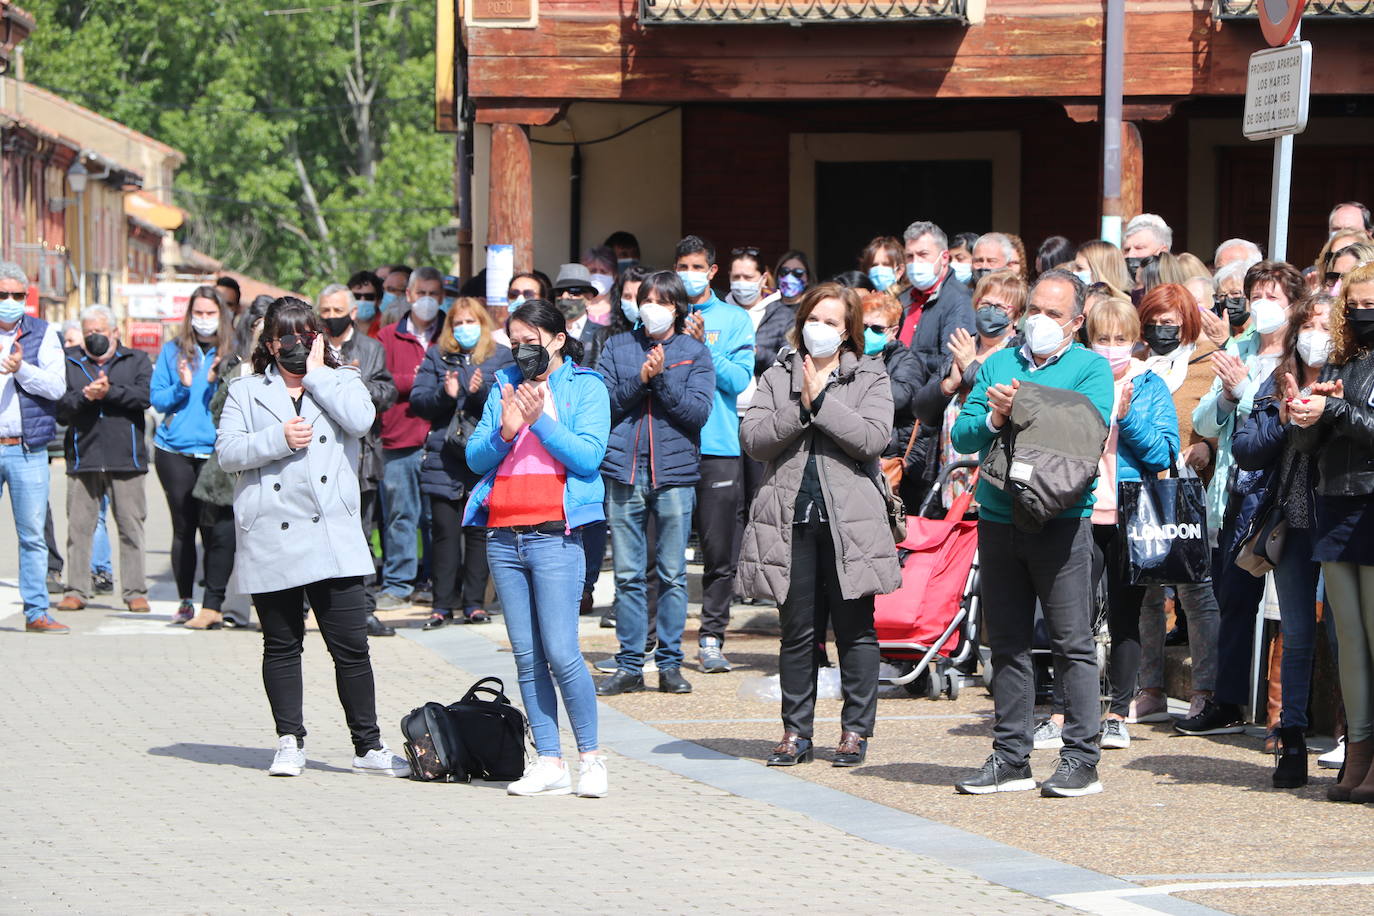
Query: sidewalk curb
[996, 862]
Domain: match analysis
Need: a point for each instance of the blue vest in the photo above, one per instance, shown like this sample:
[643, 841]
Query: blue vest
[37, 414]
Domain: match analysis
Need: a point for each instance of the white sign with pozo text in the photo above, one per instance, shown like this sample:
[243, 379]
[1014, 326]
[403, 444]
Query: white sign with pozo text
[1277, 87]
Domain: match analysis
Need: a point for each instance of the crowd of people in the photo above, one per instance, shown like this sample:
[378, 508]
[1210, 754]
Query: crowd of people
[405, 416]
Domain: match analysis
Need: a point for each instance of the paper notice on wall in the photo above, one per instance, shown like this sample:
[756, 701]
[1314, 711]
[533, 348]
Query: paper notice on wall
[500, 269]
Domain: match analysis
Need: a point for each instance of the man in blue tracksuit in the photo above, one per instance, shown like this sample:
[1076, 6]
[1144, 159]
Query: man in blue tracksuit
[662, 389]
[728, 334]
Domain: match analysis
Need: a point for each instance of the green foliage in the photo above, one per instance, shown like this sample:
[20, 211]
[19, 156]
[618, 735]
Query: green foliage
[294, 174]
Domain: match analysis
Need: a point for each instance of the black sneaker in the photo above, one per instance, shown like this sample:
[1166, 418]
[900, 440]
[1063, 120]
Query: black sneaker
[996, 776]
[55, 584]
[672, 681]
[1214, 719]
[102, 583]
[1071, 779]
[620, 682]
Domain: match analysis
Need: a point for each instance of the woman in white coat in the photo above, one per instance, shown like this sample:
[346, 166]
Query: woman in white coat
[292, 432]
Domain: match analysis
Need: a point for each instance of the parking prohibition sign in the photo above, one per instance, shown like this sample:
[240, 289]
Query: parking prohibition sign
[1279, 19]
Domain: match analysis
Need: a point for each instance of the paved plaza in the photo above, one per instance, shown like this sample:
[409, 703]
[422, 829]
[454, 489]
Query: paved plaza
[135, 782]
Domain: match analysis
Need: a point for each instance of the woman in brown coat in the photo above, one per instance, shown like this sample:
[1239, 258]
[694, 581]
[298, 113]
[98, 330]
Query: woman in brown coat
[818, 540]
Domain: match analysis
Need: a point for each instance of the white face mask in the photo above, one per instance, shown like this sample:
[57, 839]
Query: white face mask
[1269, 315]
[746, 291]
[205, 325]
[602, 283]
[425, 308]
[1085, 275]
[821, 339]
[1043, 334]
[1314, 347]
[657, 319]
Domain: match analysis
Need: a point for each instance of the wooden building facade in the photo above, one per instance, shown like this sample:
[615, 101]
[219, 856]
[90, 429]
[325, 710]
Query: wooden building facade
[817, 124]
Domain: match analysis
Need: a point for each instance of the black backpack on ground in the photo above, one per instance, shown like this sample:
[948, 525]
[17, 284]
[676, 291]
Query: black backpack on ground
[482, 736]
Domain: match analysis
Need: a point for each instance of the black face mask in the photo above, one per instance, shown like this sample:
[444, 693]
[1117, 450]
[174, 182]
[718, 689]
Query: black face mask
[1162, 338]
[293, 360]
[97, 345]
[1135, 265]
[979, 273]
[990, 321]
[1235, 309]
[532, 359]
[337, 326]
[1361, 322]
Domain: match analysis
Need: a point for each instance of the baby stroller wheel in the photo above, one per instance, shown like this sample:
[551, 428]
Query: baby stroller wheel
[952, 684]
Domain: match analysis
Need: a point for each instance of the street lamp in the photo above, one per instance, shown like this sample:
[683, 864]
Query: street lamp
[76, 178]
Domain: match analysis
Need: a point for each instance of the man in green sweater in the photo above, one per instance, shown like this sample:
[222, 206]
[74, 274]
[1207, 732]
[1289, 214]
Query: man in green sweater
[1053, 565]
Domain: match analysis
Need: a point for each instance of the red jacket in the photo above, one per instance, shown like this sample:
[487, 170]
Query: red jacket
[401, 427]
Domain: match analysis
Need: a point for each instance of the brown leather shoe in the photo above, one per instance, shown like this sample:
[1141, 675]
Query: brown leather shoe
[71, 603]
[851, 751]
[46, 624]
[791, 750]
[137, 605]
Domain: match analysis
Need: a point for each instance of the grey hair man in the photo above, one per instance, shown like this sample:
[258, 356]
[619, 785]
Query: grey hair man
[1351, 216]
[992, 251]
[338, 311]
[1052, 567]
[103, 408]
[1147, 236]
[31, 381]
[1233, 250]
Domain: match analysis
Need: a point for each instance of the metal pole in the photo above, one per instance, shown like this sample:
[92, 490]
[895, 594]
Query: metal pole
[1113, 81]
[81, 234]
[1278, 196]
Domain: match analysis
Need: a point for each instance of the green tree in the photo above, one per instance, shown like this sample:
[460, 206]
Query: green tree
[307, 136]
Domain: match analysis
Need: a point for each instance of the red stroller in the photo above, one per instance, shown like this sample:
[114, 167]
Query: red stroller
[928, 626]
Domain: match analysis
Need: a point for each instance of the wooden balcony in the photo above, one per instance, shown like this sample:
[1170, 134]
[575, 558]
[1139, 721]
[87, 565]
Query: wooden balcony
[800, 12]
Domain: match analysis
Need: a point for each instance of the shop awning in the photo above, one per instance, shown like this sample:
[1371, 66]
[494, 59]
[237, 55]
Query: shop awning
[141, 206]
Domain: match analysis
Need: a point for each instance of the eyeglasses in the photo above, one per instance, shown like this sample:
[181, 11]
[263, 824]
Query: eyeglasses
[1332, 276]
[288, 341]
[798, 272]
[17, 297]
[988, 303]
[515, 293]
[747, 252]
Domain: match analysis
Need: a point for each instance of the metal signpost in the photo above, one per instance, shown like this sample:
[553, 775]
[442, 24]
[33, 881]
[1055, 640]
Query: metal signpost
[1277, 87]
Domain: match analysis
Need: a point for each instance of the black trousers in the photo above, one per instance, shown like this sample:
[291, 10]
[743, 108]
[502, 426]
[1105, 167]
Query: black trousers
[459, 560]
[218, 522]
[716, 515]
[54, 555]
[1123, 618]
[341, 614]
[369, 512]
[813, 596]
[177, 474]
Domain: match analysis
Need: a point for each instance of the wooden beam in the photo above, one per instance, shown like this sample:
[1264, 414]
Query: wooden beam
[510, 201]
[1091, 112]
[445, 68]
[1132, 172]
[509, 111]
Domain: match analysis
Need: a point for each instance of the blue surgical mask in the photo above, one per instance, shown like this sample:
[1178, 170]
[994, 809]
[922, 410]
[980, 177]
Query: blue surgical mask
[391, 300]
[921, 275]
[1085, 275]
[874, 343]
[695, 281]
[367, 309]
[467, 335]
[882, 277]
[631, 310]
[516, 303]
[11, 311]
[963, 270]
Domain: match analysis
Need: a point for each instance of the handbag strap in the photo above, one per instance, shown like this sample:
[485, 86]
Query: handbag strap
[498, 692]
[911, 440]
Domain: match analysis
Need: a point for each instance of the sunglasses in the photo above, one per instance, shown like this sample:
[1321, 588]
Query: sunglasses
[526, 293]
[17, 297]
[877, 328]
[798, 272]
[748, 252]
[288, 341]
[365, 297]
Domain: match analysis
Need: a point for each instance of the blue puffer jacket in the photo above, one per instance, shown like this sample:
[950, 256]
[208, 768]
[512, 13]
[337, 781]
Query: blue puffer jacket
[658, 424]
[444, 472]
[577, 440]
[1147, 440]
[186, 425]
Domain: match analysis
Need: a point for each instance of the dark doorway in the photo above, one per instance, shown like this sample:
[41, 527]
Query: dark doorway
[857, 201]
[1323, 176]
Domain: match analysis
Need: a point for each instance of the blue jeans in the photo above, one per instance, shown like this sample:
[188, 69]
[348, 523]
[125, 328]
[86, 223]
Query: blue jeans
[1295, 579]
[401, 518]
[630, 508]
[25, 471]
[539, 580]
[102, 560]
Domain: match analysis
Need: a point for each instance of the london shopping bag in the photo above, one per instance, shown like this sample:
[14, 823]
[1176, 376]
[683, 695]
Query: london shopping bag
[1164, 524]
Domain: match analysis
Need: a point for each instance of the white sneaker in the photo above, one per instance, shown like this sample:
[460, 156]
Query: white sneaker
[548, 776]
[289, 759]
[382, 762]
[1333, 759]
[1114, 734]
[591, 777]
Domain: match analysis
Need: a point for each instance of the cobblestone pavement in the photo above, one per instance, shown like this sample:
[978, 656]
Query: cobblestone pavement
[135, 781]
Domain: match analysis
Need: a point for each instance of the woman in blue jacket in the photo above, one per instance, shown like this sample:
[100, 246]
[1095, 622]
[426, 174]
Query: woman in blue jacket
[539, 447]
[1262, 445]
[1142, 441]
[662, 387]
[450, 389]
[182, 386]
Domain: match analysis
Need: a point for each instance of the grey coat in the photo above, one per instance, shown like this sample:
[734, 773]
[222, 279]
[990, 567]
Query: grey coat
[296, 512]
[848, 433]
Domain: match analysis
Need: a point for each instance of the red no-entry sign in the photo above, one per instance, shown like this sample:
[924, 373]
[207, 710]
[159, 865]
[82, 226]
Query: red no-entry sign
[1279, 19]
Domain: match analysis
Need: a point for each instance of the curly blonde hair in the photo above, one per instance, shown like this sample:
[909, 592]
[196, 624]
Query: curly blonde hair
[1344, 346]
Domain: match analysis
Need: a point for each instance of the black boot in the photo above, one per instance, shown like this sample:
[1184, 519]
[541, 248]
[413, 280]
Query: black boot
[1291, 772]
